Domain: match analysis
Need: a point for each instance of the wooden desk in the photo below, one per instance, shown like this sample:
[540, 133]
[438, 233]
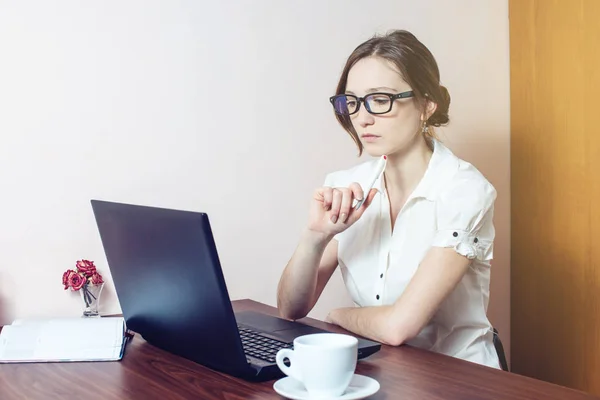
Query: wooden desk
[147, 372]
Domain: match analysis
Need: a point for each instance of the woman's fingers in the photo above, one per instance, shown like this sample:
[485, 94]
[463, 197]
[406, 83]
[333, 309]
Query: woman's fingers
[335, 205]
[337, 202]
[357, 190]
[341, 205]
[347, 197]
[370, 197]
[327, 197]
[358, 213]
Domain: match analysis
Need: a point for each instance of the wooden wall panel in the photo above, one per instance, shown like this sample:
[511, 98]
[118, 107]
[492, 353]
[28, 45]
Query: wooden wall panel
[555, 190]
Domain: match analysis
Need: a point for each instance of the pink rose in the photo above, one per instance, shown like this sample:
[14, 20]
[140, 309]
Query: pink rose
[86, 267]
[67, 278]
[96, 278]
[77, 280]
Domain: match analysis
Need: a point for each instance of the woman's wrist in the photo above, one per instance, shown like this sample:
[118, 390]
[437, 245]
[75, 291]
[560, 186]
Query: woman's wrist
[316, 239]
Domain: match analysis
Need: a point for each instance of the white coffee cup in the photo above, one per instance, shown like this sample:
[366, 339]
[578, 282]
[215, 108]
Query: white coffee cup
[323, 362]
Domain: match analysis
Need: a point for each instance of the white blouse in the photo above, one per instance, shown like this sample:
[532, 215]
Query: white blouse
[452, 206]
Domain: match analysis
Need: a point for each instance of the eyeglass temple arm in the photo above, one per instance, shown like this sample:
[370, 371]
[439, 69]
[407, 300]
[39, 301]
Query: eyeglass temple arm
[404, 94]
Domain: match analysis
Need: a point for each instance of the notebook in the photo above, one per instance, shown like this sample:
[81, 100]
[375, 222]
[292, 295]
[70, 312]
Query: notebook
[63, 340]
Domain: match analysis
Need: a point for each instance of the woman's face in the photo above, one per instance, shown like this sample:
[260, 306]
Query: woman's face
[388, 133]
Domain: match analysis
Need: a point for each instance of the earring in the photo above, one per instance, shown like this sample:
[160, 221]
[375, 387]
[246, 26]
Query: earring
[425, 128]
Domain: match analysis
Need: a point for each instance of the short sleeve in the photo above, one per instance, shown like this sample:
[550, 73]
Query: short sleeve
[465, 219]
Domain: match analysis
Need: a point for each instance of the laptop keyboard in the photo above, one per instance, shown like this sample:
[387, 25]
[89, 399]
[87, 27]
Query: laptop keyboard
[259, 346]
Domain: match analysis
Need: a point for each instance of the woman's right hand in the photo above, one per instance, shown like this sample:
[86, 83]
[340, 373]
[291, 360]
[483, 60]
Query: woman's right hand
[331, 210]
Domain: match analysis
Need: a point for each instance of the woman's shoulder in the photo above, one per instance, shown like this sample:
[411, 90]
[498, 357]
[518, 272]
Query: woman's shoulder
[357, 173]
[464, 180]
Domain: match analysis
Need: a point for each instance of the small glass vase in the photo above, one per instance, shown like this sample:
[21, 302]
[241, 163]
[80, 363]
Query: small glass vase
[90, 294]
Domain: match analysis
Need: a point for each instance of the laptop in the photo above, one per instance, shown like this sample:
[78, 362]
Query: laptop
[172, 292]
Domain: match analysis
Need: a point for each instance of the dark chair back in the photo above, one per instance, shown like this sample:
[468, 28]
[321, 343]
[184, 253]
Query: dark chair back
[500, 351]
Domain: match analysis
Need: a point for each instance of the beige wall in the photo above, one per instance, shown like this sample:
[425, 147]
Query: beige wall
[213, 106]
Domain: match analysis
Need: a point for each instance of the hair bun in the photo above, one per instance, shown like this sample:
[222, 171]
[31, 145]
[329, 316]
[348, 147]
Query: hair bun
[440, 116]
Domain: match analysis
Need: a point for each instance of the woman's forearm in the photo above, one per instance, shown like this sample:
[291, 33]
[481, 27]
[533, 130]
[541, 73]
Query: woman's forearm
[375, 323]
[296, 289]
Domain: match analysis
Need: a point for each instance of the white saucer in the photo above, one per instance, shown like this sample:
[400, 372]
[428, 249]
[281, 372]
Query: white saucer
[360, 387]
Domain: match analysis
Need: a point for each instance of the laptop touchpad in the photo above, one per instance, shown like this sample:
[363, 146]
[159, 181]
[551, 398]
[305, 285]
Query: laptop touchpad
[279, 326]
[288, 335]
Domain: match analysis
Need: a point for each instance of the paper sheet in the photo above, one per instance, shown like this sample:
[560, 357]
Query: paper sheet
[63, 339]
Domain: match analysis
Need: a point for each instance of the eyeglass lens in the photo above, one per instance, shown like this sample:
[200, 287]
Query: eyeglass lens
[375, 103]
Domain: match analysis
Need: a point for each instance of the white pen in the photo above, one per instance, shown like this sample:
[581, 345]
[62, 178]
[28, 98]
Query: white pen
[378, 171]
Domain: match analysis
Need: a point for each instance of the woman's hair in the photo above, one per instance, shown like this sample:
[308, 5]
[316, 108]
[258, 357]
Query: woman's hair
[414, 62]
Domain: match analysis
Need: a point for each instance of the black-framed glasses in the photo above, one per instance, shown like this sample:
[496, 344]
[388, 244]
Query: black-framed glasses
[375, 103]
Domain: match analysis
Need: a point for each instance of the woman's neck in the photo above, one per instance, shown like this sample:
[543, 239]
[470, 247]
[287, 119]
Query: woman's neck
[405, 169]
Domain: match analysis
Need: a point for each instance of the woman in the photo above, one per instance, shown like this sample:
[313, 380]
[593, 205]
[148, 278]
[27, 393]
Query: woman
[415, 257]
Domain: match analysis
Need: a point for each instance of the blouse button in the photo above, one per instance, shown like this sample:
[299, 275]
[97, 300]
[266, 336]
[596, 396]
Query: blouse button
[476, 240]
[381, 276]
[455, 234]
[377, 297]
